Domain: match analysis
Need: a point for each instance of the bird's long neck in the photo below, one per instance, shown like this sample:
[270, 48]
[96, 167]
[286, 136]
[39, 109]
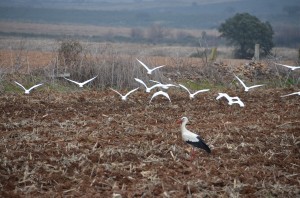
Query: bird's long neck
[183, 127]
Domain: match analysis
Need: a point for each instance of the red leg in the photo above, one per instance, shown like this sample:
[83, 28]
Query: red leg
[192, 154]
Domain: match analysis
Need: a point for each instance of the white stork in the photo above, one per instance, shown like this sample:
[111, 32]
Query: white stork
[192, 138]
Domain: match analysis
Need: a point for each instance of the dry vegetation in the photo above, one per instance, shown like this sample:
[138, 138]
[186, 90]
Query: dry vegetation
[88, 142]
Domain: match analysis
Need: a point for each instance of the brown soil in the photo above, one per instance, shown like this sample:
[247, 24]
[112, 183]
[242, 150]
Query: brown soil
[89, 143]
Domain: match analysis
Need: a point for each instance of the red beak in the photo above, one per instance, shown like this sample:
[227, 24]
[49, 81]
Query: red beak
[179, 121]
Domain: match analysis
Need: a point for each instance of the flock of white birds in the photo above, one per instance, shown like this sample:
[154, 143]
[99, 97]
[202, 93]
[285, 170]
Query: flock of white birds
[231, 100]
[188, 136]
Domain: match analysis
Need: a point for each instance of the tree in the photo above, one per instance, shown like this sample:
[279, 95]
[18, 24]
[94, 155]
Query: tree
[244, 31]
[69, 52]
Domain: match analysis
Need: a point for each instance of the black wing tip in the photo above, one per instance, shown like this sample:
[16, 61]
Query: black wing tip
[208, 150]
[200, 144]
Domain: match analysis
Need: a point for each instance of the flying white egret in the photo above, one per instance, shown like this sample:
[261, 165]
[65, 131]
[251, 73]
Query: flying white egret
[27, 91]
[149, 71]
[289, 66]
[160, 93]
[124, 97]
[231, 100]
[246, 87]
[192, 95]
[79, 83]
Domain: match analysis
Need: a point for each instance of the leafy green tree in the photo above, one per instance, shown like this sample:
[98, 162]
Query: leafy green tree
[244, 31]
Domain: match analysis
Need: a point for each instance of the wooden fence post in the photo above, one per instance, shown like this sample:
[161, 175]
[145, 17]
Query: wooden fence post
[256, 52]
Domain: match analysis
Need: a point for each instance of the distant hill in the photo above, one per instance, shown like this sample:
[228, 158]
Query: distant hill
[178, 14]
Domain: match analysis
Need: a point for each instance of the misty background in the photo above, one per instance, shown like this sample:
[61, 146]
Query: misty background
[149, 21]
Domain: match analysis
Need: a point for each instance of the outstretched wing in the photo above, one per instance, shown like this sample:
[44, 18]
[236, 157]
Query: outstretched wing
[296, 93]
[288, 66]
[89, 80]
[131, 92]
[20, 85]
[35, 86]
[160, 93]
[116, 92]
[200, 91]
[184, 87]
[255, 86]
[72, 81]
[240, 81]
[221, 95]
[140, 81]
[155, 81]
[155, 68]
[147, 68]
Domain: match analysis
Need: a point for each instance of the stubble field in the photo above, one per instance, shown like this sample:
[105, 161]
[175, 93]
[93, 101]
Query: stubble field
[90, 143]
[84, 143]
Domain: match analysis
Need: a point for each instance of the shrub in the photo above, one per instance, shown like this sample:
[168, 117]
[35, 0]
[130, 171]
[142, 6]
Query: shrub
[69, 52]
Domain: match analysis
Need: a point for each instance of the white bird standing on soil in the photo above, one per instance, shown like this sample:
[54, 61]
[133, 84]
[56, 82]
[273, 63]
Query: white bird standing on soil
[192, 95]
[247, 88]
[295, 93]
[27, 91]
[149, 71]
[81, 84]
[124, 97]
[191, 138]
[148, 89]
[289, 66]
[160, 93]
[231, 100]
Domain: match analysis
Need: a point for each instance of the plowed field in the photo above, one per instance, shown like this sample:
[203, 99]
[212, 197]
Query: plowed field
[92, 144]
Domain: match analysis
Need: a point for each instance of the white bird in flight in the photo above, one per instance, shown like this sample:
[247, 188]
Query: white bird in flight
[148, 89]
[164, 86]
[149, 71]
[247, 88]
[231, 100]
[27, 91]
[160, 93]
[289, 66]
[192, 95]
[295, 93]
[192, 138]
[124, 97]
[81, 84]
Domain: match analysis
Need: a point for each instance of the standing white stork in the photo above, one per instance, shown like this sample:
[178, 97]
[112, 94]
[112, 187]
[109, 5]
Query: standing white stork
[192, 138]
